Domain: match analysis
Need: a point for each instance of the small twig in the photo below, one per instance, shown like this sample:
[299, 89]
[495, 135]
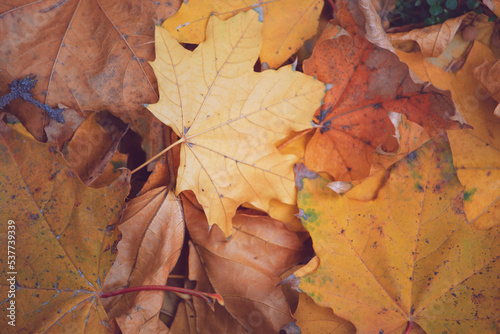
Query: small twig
[210, 298]
[21, 88]
[159, 154]
[177, 276]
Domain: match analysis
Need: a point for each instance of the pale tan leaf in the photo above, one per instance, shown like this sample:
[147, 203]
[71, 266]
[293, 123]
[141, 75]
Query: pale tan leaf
[153, 233]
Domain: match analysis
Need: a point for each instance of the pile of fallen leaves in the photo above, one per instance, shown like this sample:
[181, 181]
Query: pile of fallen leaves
[308, 180]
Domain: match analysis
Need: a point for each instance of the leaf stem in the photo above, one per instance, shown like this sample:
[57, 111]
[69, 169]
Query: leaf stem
[210, 298]
[408, 327]
[181, 140]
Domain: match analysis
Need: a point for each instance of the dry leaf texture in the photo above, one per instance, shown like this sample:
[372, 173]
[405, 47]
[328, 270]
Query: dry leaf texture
[409, 255]
[245, 269]
[488, 74]
[433, 40]
[92, 147]
[153, 234]
[207, 318]
[229, 117]
[88, 55]
[66, 237]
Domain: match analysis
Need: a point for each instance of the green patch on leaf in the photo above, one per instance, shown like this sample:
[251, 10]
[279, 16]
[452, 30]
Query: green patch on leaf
[468, 194]
[418, 187]
[118, 164]
[312, 216]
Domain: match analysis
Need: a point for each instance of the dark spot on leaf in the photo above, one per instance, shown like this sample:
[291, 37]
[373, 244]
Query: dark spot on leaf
[53, 175]
[478, 299]
[322, 114]
[110, 228]
[325, 127]
[411, 157]
[468, 194]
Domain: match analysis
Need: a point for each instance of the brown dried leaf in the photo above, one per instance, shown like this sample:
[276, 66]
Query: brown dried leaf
[153, 233]
[88, 55]
[434, 39]
[93, 145]
[488, 74]
[208, 320]
[61, 133]
[185, 319]
[245, 270]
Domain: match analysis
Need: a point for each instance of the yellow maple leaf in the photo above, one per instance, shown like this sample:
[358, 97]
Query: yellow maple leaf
[407, 258]
[476, 152]
[287, 23]
[228, 117]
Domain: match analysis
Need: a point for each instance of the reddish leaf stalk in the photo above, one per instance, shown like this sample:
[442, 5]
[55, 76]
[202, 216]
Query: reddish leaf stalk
[408, 327]
[208, 297]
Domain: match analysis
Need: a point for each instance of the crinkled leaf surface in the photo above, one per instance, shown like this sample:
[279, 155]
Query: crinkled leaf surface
[488, 74]
[65, 237]
[433, 40]
[88, 55]
[408, 255]
[245, 269]
[184, 321]
[207, 318]
[476, 152]
[366, 82]
[61, 133]
[287, 23]
[494, 5]
[229, 117]
[92, 148]
[153, 234]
